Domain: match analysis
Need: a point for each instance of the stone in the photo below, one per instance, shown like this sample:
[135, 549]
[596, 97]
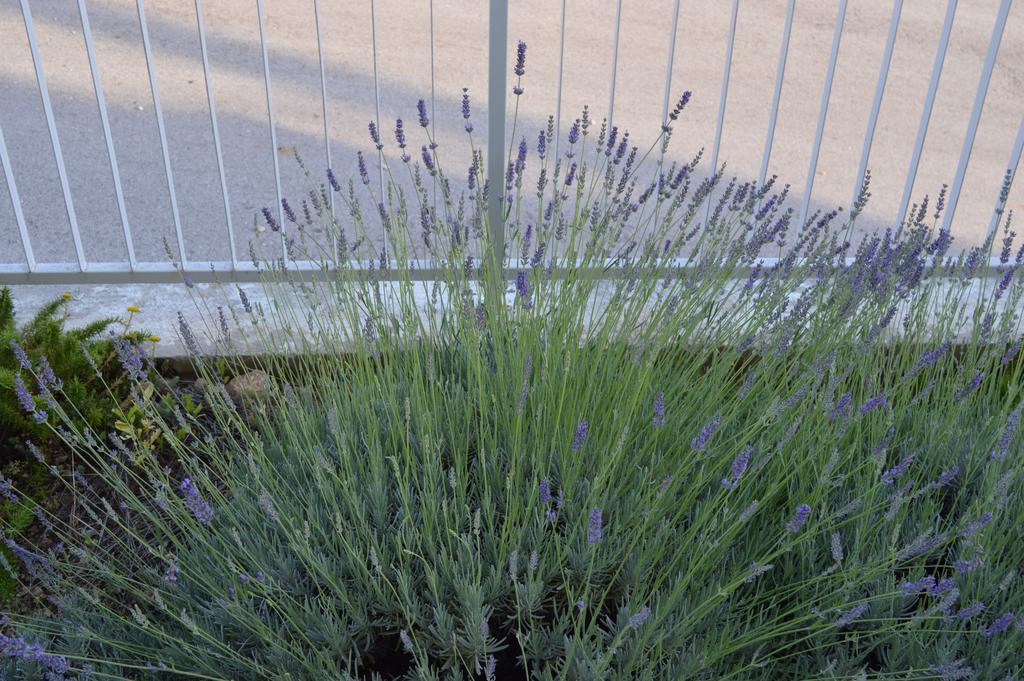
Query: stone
[252, 385]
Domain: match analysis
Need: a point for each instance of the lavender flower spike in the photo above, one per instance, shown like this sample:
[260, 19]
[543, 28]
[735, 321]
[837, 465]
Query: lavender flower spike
[739, 466]
[803, 512]
[195, 502]
[581, 435]
[19, 354]
[545, 491]
[700, 443]
[520, 67]
[637, 620]
[594, 527]
[465, 109]
[658, 419]
[421, 109]
[852, 615]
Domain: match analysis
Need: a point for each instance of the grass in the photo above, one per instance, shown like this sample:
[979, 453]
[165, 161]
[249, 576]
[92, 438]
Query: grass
[691, 474]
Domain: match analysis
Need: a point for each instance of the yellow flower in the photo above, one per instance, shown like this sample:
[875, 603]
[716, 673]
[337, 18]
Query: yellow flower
[133, 334]
[155, 339]
[134, 308]
[66, 295]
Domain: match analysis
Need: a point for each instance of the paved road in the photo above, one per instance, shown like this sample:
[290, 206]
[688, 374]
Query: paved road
[460, 30]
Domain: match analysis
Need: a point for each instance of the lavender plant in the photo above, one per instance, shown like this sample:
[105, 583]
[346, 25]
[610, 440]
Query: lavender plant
[611, 465]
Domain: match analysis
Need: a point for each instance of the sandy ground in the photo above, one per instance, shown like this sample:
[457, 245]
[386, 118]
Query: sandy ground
[460, 61]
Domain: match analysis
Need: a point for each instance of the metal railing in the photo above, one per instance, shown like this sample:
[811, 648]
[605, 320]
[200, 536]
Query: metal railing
[84, 269]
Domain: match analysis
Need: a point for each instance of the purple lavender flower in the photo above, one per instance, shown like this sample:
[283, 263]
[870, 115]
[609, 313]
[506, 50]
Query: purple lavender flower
[271, 220]
[10, 646]
[375, 135]
[680, 105]
[187, 336]
[492, 668]
[945, 477]
[637, 620]
[523, 289]
[363, 175]
[288, 212]
[45, 377]
[7, 490]
[700, 443]
[400, 134]
[582, 429]
[542, 144]
[1000, 625]
[1003, 445]
[545, 491]
[972, 528]
[841, 404]
[594, 527]
[965, 566]
[465, 109]
[658, 418]
[571, 175]
[873, 404]
[333, 180]
[19, 354]
[428, 160]
[756, 571]
[520, 67]
[521, 158]
[1011, 353]
[244, 299]
[803, 512]
[1004, 282]
[890, 476]
[132, 358]
[195, 502]
[739, 466]
[25, 398]
[421, 110]
[970, 387]
[972, 610]
[924, 585]
[171, 574]
[852, 615]
[574, 134]
[954, 671]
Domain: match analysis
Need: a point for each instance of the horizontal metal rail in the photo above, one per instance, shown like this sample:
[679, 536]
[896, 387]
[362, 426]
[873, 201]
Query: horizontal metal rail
[419, 270]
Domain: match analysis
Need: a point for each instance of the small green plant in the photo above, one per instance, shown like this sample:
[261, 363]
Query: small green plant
[72, 354]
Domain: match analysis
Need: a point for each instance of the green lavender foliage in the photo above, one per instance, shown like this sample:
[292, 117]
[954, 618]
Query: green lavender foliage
[465, 479]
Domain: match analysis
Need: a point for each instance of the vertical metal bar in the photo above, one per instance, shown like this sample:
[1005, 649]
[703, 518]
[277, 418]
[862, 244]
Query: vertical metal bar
[160, 128]
[12, 189]
[823, 111]
[51, 125]
[376, 91]
[979, 103]
[876, 104]
[104, 120]
[561, 72]
[323, 93]
[270, 119]
[780, 72]
[433, 105]
[926, 113]
[216, 133]
[723, 97]
[1011, 172]
[725, 85]
[497, 81]
[615, 61]
[671, 58]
